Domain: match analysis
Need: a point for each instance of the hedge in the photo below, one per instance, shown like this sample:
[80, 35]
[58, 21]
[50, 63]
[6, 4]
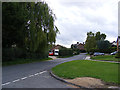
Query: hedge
[9, 54]
[65, 52]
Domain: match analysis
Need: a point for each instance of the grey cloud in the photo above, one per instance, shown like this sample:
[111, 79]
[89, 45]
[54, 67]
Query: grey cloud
[75, 18]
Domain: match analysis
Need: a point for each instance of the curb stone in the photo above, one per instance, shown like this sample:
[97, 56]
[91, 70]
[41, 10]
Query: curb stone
[60, 79]
[81, 87]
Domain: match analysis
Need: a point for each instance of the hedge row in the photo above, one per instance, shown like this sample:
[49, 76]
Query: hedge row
[9, 54]
[65, 52]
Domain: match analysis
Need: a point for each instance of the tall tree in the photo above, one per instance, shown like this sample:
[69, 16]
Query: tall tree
[90, 42]
[100, 36]
[42, 30]
[28, 25]
[96, 42]
[103, 46]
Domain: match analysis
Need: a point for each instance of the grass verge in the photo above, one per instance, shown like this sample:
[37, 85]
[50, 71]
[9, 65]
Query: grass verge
[105, 71]
[106, 57]
[22, 61]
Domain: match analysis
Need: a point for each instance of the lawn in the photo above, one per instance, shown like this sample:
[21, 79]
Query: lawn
[105, 71]
[106, 57]
[22, 61]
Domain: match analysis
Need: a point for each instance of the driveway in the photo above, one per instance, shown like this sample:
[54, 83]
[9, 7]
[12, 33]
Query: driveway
[34, 75]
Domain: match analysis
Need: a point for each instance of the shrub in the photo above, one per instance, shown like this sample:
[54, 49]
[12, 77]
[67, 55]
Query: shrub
[76, 51]
[65, 52]
[117, 55]
[9, 54]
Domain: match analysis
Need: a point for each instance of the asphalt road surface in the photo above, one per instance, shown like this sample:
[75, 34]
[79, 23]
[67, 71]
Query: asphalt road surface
[34, 75]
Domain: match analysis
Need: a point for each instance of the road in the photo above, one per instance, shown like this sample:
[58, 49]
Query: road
[34, 75]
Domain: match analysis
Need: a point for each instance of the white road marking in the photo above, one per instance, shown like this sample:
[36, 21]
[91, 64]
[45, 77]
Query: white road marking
[6, 83]
[42, 72]
[36, 74]
[16, 80]
[24, 78]
[30, 75]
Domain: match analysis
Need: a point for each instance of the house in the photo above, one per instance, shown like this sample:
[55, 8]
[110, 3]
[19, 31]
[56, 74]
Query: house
[79, 46]
[114, 43]
[55, 50]
[56, 47]
[118, 43]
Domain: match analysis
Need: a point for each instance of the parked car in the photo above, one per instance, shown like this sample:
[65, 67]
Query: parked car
[113, 53]
[98, 53]
[51, 54]
[56, 52]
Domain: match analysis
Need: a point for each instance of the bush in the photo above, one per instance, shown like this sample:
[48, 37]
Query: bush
[117, 55]
[82, 51]
[76, 51]
[9, 54]
[65, 52]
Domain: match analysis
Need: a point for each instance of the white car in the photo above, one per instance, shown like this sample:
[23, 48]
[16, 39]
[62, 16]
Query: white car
[98, 53]
[56, 52]
[113, 53]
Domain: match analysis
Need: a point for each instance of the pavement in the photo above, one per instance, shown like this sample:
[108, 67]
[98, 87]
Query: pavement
[53, 57]
[34, 75]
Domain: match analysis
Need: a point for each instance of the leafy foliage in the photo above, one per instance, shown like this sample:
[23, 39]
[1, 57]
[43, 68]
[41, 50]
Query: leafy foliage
[65, 52]
[103, 46]
[75, 49]
[97, 43]
[118, 55]
[90, 42]
[29, 26]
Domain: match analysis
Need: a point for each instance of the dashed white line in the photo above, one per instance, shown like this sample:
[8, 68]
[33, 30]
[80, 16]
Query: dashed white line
[6, 83]
[30, 75]
[23, 78]
[36, 74]
[16, 80]
[42, 72]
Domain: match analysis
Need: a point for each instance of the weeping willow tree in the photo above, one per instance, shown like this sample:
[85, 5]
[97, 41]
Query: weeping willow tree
[41, 30]
[29, 26]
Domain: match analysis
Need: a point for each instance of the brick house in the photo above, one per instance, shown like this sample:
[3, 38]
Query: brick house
[79, 46]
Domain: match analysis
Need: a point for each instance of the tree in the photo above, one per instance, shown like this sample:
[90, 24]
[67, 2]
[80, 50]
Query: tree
[90, 42]
[42, 30]
[104, 46]
[29, 26]
[100, 36]
[94, 41]
[13, 21]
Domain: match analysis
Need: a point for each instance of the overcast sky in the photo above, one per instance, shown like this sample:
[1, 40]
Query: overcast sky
[77, 17]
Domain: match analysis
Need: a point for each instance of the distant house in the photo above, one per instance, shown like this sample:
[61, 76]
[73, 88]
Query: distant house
[55, 50]
[114, 43]
[79, 46]
[118, 43]
[56, 47]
